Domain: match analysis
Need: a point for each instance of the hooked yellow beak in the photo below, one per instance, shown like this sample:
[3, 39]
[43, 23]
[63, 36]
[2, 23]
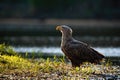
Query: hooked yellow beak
[58, 28]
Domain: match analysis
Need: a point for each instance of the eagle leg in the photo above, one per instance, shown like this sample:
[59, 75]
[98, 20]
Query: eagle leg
[75, 63]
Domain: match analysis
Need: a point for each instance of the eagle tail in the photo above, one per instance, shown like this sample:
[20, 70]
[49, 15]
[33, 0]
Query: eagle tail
[98, 57]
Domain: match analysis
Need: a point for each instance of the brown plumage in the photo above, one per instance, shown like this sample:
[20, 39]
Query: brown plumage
[77, 51]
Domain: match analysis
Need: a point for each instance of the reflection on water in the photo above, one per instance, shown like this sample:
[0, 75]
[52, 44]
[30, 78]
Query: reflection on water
[107, 51]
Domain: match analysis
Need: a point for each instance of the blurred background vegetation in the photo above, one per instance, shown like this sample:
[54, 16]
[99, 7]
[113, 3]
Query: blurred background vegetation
[21, 19]
[70, 9]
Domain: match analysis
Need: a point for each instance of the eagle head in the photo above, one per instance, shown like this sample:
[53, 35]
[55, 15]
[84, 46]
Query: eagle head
[64, 29]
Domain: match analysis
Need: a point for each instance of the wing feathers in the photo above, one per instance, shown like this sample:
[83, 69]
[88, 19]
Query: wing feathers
[81, 52]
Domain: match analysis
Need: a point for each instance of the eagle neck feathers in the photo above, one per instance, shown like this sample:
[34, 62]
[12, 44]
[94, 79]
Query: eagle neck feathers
[66, 38]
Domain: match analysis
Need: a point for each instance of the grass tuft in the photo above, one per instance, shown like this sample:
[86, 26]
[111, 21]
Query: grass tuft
[6, 50]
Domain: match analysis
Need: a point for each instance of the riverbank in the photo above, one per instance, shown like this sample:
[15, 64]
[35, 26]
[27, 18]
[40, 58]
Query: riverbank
[54, 69]
[14, 66]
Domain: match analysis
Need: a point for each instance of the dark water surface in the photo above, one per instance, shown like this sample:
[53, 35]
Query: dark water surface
[109, 46]
[44, 38]
[97, 41]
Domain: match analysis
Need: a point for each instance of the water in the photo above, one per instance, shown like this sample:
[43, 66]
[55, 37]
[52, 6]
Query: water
[108, 45]
[97, 41]
[107, 51]
[32, 38]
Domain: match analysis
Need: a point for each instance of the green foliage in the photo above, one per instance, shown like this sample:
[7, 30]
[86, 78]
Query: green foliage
[60, 8]
[6, 50]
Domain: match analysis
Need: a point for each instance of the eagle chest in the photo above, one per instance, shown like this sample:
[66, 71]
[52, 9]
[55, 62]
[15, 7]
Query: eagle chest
[63, 48]
[66, 51]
